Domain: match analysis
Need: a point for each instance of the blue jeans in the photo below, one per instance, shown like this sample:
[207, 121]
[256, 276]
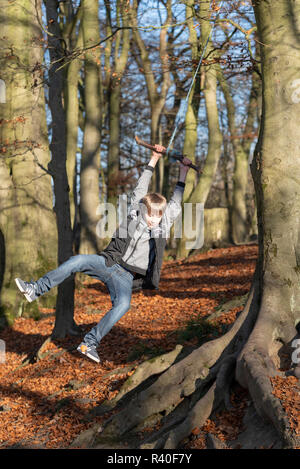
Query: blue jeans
[117, 279]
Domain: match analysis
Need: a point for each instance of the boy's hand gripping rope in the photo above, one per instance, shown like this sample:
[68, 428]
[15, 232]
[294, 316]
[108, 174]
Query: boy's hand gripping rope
[173, 154]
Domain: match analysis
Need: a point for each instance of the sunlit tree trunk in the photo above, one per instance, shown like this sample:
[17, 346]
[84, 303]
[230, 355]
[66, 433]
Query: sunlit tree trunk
[90, 161]
[241, 142]
[157, 98]
[191, 118]
[64, 321]
[201, 191]
[27, 220]
[121, 50]
[72, 117]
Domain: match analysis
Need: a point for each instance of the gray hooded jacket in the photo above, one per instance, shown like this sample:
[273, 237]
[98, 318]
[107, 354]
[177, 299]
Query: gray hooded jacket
[134, 245]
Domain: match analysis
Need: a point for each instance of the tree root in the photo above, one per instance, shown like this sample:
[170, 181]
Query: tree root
[37, 355]
[184, 392]
[180, 381]
[254, 370]
[224, 308]
[171, 387]
[195, 418]
[224, 379]
[199, 408]
[151, 367]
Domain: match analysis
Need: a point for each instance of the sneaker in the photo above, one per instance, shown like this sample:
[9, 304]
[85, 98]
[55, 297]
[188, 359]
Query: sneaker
[89, 351]
[27, 288]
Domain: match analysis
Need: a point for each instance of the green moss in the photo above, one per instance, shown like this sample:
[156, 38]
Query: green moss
[200, 328]
[9, 306]
[31, 310]
[6, 316]
[288, 282]
[45, 265]
[48, 300]
[142, 349]
[297, 269]
[273, 249]
[79, 279]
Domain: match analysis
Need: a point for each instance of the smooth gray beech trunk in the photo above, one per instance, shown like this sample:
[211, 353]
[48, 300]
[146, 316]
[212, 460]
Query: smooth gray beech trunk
[90, 242]
[201, 191]
[27, 220]
[157, 91]
[241, 143]
[276, 172]
[71, 106]
[191, 118]
[119, 60]
[64, 321]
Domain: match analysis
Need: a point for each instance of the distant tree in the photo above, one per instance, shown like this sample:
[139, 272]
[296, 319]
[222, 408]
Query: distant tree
[90, 243]
[64, 320]
[157, 89]
[200, 192]
[117, 65]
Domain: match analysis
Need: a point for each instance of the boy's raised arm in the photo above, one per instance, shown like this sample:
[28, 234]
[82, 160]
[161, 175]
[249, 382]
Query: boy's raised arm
[141, 188]
[174, 208]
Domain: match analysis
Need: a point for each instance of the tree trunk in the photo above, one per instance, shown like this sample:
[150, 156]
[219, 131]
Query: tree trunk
[120, 62]
[64, 321]
[27, 219]
[191, 118]
[241, 143]
[201, 191]
[90, 243]
[72, 124]
[157, 98]
[275, 170]
[187, 390]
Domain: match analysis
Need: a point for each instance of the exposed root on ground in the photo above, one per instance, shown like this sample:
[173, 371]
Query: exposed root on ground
[183, 393]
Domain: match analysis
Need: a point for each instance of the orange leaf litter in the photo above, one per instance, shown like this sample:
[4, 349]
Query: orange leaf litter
[44, 404]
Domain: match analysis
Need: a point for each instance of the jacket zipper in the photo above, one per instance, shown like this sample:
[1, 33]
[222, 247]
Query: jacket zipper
[134, 248]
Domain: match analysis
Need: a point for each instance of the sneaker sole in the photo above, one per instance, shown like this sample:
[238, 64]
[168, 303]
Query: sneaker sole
[28, 298]
[88, 355]
[92, 358]
[19, 285]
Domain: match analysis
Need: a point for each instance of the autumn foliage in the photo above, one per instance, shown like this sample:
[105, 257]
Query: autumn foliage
[48, 402]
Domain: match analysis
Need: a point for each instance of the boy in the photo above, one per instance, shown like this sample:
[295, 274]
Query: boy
[132, 260]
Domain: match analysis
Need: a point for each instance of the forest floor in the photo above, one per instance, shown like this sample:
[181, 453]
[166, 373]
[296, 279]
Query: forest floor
[47, 403]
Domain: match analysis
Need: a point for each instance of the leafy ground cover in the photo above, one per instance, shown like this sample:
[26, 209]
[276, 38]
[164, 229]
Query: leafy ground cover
[47, 403]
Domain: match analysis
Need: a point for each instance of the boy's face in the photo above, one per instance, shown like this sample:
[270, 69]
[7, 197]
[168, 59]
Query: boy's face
[153, 218]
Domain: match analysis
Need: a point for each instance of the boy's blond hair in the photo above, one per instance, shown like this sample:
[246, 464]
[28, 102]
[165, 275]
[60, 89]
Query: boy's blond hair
[155, 201]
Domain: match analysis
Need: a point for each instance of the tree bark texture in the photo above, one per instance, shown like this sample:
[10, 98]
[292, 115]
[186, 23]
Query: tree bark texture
[27, 220]
[120, 58]
[157, 98]
[90, 243]
[201, 191]
[64, 320]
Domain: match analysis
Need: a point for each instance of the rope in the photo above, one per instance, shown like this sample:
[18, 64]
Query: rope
[184, 103]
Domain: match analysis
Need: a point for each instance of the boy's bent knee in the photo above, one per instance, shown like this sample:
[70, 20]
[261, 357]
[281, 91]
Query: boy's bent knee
[124, 304]
[78, 262]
